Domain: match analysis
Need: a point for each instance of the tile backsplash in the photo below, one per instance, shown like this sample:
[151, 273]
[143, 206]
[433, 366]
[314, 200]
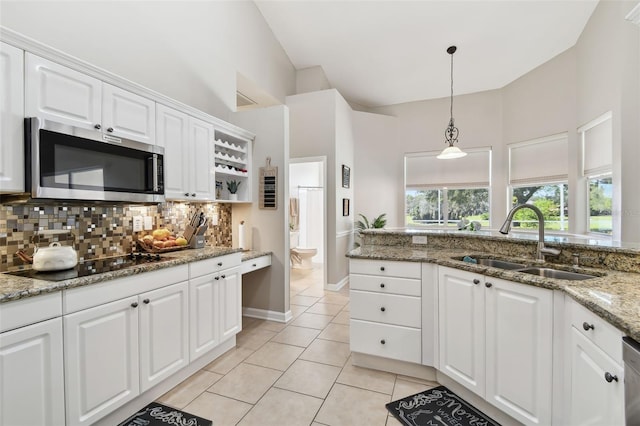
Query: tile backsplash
[98, 230]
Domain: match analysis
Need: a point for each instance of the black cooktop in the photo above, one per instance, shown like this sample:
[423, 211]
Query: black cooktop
[94, 266]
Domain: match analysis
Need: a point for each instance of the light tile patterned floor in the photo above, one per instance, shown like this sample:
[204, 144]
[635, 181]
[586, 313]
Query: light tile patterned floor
[298, 373]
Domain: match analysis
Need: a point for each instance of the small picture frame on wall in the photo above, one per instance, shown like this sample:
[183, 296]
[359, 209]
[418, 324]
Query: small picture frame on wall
[346, 176]
[345, 207]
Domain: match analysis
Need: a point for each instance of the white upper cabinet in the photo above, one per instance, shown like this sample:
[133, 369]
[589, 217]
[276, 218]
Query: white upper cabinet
[200, 150]
[61, 94]
[188, 148]
[127, 115]
[11, 119]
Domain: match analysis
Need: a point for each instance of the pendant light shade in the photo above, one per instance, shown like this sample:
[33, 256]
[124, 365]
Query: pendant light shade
[451, 132]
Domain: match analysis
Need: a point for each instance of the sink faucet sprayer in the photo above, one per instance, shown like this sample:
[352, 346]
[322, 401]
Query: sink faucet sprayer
[542, 250]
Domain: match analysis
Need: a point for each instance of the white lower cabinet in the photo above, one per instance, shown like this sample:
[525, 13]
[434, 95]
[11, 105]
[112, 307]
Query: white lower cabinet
[496, 340]
[386, 309]
[595, 367]
[31, 375]
[115, 351]
[215, 306]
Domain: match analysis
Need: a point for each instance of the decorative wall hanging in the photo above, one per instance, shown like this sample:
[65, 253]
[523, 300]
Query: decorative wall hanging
[345, 207]
[346, 176]
[268, 187]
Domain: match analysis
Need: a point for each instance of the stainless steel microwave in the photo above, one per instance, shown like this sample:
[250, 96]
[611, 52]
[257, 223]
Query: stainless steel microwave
[71, 163]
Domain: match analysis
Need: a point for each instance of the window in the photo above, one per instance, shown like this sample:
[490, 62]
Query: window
[442, 192]
[538, 175]
[597, 160]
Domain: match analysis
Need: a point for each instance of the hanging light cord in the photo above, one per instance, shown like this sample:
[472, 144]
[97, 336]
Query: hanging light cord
[451, 111]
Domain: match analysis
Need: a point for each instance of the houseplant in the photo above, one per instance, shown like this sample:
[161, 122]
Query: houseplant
[376, 223]
[232, 186]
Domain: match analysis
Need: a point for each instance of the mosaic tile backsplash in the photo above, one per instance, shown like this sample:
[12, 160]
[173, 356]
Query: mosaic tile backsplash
[98, 230]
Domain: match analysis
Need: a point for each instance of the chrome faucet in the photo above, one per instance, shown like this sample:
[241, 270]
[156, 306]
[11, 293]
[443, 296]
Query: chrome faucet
[542, 250]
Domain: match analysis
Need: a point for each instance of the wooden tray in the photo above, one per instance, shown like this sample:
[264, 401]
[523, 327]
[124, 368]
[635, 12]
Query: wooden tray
[150, 249]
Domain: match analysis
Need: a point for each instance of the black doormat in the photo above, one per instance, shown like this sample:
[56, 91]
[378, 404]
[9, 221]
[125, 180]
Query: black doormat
[156, 414]
[437, 407]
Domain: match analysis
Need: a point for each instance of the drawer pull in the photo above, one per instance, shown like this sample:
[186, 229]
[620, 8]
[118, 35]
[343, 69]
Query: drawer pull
[382, 342]
[382, 268]
[254, 265]
[488, 285]
[223, 276]
[610, 377]
[219, 263]
[476, 281]
[97, 126]
[587, 326]
[216, 278]
[382, 309]
[146, 301]
[134, 305]
[381, 285]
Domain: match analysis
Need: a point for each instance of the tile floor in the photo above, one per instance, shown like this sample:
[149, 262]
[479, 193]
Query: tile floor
[298, 373]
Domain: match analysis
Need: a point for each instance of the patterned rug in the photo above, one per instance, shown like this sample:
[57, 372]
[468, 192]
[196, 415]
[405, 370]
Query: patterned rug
[437, 407]
[156, 414]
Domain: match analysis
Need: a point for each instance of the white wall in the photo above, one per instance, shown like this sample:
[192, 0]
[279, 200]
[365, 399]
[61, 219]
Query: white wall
[187, 50]
[267, 289]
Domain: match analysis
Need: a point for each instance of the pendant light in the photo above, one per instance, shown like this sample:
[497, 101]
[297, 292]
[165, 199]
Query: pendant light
[451, 132]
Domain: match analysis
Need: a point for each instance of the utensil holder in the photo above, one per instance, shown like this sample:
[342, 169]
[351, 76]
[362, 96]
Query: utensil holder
[197, 241]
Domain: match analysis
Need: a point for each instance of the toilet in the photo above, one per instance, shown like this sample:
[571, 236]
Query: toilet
[300, 256]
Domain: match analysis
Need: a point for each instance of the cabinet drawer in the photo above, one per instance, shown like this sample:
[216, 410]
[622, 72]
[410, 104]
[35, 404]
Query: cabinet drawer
[255, 264]
[385, 268]
[604, 335]
[385, 285]
[214, 264]
[388, 341]
[386, 308]
[30, 310]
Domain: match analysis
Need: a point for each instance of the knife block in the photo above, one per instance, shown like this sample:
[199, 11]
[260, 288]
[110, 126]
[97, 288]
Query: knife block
[197, 241]
[189, 232]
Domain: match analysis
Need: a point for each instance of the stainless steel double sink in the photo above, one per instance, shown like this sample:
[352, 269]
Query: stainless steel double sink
[533, 270]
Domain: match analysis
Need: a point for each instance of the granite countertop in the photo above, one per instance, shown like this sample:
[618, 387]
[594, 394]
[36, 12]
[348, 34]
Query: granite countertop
[613, 295]
[14, 287]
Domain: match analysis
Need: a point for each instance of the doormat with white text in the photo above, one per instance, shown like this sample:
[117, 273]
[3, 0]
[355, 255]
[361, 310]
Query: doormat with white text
[437, 407]
[156, 414]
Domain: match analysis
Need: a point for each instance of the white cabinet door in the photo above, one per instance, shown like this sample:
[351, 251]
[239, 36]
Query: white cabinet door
[31, 375]
[519, 338]
[11, 119]
[202, 177]
[594, 400]
[462, 327]
[101, 360]
[230, 303]
[61, 94]
[128, 115]
[164, 328]
[173, 135]
[204, 299]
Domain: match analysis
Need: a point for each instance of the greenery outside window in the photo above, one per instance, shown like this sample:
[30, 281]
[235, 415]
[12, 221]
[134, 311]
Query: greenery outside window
[600, 204]
[550, 198]
[446, 207]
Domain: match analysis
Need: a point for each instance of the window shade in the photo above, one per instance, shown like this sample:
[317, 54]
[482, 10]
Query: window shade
[426, 171]
[597, 146]
[539, 161]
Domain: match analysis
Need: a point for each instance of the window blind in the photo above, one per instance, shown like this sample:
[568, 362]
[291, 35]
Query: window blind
[597, 146]
[542, 160]
[424, 170]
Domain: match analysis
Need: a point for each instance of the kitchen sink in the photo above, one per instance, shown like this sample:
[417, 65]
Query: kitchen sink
[494, 263]
[557, 274]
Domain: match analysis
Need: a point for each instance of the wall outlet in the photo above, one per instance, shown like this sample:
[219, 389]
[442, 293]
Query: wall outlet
[137, 223]
[148, 223]
[214, 219]
[419, 239]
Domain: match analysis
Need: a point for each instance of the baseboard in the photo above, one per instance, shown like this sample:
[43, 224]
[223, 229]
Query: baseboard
[338, 285]
[393, 366]
[267, 315]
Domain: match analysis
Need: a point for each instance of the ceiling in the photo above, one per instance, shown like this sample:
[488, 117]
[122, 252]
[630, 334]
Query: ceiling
[389, 52]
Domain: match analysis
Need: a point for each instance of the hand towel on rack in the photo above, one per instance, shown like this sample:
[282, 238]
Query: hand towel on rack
[294, 218]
